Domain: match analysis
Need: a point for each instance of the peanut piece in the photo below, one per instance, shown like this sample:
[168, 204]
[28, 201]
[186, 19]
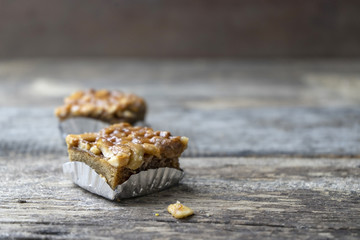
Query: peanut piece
[119, 160]
[178, 210]
[95, 150]
[84, 145]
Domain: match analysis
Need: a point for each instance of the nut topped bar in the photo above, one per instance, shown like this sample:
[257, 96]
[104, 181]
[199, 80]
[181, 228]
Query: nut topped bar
[107, 106]
[121, 150]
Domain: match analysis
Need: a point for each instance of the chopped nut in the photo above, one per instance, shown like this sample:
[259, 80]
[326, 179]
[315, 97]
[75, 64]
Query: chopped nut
[165, 134]
[137, 155]
[178, 210]
[104, 148]
[72, 140]
[102, 93]
[184, 140]
[151, 149]
[112, 109]
[95, 150]
[89, 137]
[75, 95]
[84, 145]
[128, 114]
[119, 160]
[87, 108]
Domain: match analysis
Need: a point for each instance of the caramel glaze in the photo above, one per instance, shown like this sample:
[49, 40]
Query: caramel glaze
[125, 145]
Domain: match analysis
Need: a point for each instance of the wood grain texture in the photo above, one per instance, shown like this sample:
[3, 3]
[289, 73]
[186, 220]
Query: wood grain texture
[194, 84]
[290, 129]
[227, 108]
[233, 198]
[311, 132]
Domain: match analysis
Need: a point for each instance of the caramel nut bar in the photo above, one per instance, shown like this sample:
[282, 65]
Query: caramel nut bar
[120, 150]
[107, 106]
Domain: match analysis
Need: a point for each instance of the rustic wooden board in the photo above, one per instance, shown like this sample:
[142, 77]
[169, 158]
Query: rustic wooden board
[233, 198]
[196, 84]
[226, 132]
[266, 132]
[295, 122]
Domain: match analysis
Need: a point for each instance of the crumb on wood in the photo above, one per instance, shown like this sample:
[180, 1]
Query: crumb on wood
[179, 210]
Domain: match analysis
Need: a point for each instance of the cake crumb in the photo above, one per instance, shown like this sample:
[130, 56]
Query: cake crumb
[179, 210]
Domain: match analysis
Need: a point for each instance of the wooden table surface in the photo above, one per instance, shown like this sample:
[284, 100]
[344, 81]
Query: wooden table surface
[274, 149]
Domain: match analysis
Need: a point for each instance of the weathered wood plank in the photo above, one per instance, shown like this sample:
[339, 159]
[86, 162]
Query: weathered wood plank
[232, 198]
[164, 230]
[308, 108]
[228, 132]
[211, 84]
[264, 197]
[265, 132]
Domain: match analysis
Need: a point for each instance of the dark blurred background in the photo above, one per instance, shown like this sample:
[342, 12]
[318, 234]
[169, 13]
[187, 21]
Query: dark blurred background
[187, 28]
[250, 53]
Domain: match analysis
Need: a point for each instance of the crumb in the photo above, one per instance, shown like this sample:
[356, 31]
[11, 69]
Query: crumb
[178, 210]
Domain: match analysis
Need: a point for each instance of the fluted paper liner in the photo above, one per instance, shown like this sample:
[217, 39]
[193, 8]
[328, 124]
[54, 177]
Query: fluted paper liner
[142, 183]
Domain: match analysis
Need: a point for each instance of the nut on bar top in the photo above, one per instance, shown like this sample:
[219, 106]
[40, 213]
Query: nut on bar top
[107, 106]
[120, 150]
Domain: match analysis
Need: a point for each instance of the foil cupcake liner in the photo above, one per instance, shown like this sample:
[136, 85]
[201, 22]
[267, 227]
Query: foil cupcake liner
[80, 125]
[143, 183]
